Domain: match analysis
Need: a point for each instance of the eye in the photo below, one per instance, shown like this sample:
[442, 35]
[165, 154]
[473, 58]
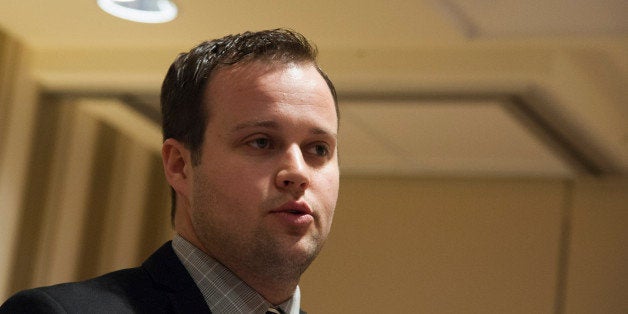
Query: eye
[320, 149]
[260, 143]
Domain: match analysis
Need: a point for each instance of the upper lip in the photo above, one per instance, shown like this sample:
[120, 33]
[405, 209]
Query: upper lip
[300, 207]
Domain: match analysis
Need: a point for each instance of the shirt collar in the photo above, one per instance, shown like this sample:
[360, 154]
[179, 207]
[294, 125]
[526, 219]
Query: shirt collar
[223, 291]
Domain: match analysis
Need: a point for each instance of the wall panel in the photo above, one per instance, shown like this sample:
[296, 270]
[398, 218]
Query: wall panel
[597, 273]
[18, 96]
[95, 198]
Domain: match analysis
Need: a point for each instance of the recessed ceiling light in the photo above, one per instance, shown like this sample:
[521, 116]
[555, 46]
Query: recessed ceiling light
[143, 11]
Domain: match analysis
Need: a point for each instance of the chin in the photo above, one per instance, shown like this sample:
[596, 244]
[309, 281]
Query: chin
[307, 249]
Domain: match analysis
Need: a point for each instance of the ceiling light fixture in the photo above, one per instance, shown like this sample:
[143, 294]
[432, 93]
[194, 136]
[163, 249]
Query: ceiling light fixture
[143, 11]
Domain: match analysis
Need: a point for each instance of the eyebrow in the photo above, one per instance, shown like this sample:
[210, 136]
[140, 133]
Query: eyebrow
[268, 124]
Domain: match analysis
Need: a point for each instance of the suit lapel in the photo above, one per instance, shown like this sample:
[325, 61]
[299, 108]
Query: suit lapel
[167, 271]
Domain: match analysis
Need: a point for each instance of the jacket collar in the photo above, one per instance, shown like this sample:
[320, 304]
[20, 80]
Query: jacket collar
[170, 275]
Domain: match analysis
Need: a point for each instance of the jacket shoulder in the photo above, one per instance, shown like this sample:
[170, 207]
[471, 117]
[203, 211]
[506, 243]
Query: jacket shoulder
[152, 288]
[31, 301]
[122, 291]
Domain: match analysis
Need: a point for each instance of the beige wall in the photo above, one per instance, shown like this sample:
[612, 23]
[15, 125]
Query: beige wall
[441, 246]
[474, 246]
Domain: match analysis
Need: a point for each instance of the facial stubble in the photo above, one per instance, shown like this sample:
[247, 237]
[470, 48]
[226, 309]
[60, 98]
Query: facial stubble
[258, 251]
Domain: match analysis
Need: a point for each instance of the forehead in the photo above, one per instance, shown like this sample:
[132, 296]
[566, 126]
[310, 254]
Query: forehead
[247, 72]
[262, 79]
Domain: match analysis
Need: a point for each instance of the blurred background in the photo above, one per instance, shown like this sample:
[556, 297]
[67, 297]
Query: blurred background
[484, 148]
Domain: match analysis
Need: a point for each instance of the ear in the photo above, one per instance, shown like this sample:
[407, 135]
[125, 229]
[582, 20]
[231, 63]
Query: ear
[177, 166]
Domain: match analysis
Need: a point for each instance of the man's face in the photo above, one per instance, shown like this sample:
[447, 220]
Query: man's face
[264, 193]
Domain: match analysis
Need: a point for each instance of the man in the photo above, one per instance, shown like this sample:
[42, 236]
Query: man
[250, 128]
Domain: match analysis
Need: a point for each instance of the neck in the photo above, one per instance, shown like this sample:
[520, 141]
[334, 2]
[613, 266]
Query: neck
[271, 282]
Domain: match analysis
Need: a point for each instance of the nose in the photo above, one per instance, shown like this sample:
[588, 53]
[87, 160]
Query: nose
[292, 175]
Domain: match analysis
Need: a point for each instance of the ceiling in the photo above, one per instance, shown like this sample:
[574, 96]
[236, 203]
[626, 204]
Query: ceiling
[432, 87]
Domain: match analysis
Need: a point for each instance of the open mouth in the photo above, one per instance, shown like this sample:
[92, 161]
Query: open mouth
[295, 213]
[294, 208]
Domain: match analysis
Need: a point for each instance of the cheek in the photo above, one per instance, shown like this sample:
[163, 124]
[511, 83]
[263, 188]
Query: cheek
[236, 176]
[331, 184]
[243, 189]
[329, 192]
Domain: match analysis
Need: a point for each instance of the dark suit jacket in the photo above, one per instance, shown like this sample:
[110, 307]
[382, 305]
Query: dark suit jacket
[160, 285]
